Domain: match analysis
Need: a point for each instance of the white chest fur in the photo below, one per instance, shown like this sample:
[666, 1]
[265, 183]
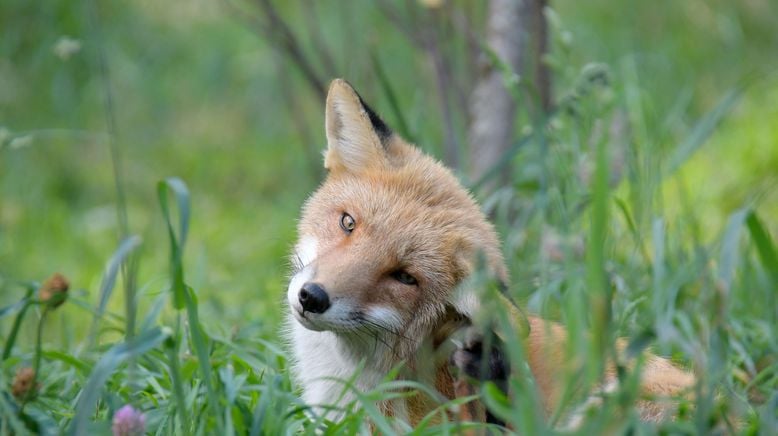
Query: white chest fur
[323, 365]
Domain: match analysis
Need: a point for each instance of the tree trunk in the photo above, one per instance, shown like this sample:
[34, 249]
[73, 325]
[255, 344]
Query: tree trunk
[516, 32]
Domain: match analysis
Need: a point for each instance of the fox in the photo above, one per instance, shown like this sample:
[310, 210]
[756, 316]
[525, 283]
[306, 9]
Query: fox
[385, 248]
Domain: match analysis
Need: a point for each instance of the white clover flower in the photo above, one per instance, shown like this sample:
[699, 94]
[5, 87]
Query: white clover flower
[65, 47]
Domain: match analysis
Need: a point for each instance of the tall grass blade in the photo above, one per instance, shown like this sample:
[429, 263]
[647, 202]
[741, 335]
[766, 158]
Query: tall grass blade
[183, 295]
[702, 130]
[391, 97]
[177, 241]
[595, 259]
[83, 367]
[12, 308]
[503, 162]
[200, 345]
[658, 268]
[764, 246]
[112, 268]
[150, 320]
[9, 419]
[178, 385]
[730, 253]
[24, 304]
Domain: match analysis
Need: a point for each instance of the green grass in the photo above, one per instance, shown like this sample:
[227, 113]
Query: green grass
[644, 209]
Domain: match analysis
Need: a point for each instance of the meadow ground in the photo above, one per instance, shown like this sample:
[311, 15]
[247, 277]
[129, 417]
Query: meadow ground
[656, 188]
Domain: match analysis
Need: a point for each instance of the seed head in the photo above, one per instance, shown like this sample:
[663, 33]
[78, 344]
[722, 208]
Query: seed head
[54, 290]
[23, 383]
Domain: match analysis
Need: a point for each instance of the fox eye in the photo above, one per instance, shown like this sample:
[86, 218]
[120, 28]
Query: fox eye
[347, 223]
[403, 277]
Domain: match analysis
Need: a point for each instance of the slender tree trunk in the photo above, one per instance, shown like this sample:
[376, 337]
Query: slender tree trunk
[492, 109]
[516, 32]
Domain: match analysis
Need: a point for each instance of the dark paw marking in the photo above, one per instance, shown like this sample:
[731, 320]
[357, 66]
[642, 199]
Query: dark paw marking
[481, 358]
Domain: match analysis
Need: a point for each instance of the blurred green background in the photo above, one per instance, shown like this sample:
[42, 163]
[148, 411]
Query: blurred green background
[196, 93]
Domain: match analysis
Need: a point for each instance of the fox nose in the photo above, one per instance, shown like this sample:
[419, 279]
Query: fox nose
[313, 298]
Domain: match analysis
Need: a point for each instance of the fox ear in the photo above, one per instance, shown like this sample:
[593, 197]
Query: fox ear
[356, 136]
[465, 299]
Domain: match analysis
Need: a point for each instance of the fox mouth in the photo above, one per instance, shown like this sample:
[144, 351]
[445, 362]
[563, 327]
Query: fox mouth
[321, 322]
[308, 322]
[350, 322]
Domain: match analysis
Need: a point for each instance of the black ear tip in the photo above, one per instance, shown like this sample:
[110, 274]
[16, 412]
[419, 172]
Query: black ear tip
[382, 130]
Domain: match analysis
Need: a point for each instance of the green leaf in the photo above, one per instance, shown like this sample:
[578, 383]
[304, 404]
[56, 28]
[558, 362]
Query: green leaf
[496, 401]
[12, 308]
[660, 298]
[596, 278]
[40, 420]
[9, 415]
[177, 241]
[11, 340]
[376, 416]
[73, 361]
[104, 368]
[126, 247]
[25, 304]
[153, 313]
[200, 345]
[183, 295]
[730, 253]
[764, 246]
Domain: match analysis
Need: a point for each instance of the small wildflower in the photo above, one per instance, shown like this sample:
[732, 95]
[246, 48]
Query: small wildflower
[551, 245]
[556, 247]
[20, 142]
[54, 290]
[128, 422]
[65, 47]
[22, 384]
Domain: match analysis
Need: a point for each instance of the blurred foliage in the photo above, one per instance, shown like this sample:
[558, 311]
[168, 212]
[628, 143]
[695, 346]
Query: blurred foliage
[196, 93]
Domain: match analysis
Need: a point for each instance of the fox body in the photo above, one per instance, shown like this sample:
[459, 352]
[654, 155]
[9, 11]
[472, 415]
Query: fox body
[384, 246]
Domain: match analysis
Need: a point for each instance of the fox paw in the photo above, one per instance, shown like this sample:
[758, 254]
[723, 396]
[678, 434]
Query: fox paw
[479, 360]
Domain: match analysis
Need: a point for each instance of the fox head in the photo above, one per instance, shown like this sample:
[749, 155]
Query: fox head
[389, 236]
